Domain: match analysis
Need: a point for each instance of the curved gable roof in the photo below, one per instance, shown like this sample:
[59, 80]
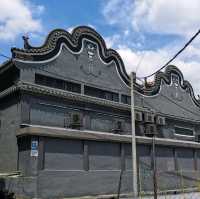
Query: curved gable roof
[166, 77]
[73, 40]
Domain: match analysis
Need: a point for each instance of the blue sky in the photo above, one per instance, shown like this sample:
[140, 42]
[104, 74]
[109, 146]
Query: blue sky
[146, 33]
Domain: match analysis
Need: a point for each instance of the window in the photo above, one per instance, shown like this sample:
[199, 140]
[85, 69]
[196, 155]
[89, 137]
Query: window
[184, 131]
[96, 92]
[126, 99]
[57, 83]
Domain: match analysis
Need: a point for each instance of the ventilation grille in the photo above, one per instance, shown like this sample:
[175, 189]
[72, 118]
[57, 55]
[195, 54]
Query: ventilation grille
[138, 116]
[149, 118]
[160, 120]
[150, 130]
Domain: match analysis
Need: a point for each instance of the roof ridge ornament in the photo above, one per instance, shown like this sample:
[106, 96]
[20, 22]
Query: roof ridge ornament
[26, 43]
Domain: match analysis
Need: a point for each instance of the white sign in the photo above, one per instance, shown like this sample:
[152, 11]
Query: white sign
[34, 148]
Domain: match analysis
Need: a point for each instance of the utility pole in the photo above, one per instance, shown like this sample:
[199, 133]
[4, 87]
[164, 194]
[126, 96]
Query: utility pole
[154, 167]
[134, 155]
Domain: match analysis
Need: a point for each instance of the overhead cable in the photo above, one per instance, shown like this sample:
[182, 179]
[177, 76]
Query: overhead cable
[174, 57]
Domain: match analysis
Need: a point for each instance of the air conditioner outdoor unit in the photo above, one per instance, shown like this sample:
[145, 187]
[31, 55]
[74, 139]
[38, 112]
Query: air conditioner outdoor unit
[75, 121]
[118, 127]
[150, 130]
[149, 118]
[160, 120]
[138, 116]
[197, 138]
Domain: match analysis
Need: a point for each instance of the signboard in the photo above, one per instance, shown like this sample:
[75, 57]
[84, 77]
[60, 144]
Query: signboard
[34, 148]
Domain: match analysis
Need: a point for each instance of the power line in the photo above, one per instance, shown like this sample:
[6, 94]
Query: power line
[174, 57]
[2, 55]
[139, 63]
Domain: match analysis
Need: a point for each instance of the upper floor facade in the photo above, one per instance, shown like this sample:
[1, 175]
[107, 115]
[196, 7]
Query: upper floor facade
[74, 81]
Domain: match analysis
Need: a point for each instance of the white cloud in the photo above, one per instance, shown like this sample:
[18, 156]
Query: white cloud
[153, 60]
[111, 41]
[170, 17]
[118, 11]
[179, 17]
[17, 16]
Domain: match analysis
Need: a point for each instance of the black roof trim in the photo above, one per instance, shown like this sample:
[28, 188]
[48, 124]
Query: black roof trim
[73, 40]
[166, 76]
[56, 37]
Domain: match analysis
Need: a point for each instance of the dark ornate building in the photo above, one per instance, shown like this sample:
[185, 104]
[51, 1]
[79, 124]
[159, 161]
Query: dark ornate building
[65, 120]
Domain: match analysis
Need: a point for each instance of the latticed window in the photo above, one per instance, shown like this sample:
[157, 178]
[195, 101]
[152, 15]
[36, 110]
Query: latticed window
[126, 99]
[57, 83]
[184, 131]
[96, 92]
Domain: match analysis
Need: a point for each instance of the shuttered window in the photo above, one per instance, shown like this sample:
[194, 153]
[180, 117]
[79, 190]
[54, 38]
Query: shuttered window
[57, 83]
[96, 92]
[184, 131]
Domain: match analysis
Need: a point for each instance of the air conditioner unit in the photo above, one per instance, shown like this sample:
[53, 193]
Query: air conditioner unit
[150, 130]
[118, 127]
[76, 121]
[138, 116]
[149, 118]
[197, 138]
[160, 120]
[140, 129]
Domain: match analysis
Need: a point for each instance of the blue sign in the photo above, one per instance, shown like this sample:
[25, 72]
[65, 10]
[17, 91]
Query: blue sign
[34, 148]
[34, 145]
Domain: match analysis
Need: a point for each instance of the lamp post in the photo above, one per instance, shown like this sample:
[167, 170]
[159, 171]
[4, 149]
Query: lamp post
[134, 157]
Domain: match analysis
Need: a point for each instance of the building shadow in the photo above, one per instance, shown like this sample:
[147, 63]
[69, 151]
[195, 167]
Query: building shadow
[4, 193]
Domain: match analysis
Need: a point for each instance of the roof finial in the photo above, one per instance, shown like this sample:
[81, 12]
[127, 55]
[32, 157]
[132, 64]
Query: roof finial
[25, 37]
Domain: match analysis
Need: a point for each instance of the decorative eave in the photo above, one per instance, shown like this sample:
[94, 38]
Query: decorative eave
[56, 37]
[43, 90]
[63, 133]
[34, 88]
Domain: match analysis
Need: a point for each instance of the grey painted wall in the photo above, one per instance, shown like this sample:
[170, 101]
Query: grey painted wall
[63, 154]
[78, 167]
[52, 112]
[75, 67]
[10, 120]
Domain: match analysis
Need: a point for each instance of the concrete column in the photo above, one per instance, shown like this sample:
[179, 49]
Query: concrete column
[41, 153]
[195, 159]
[86, 155]
[134, 157]
[123, 164]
